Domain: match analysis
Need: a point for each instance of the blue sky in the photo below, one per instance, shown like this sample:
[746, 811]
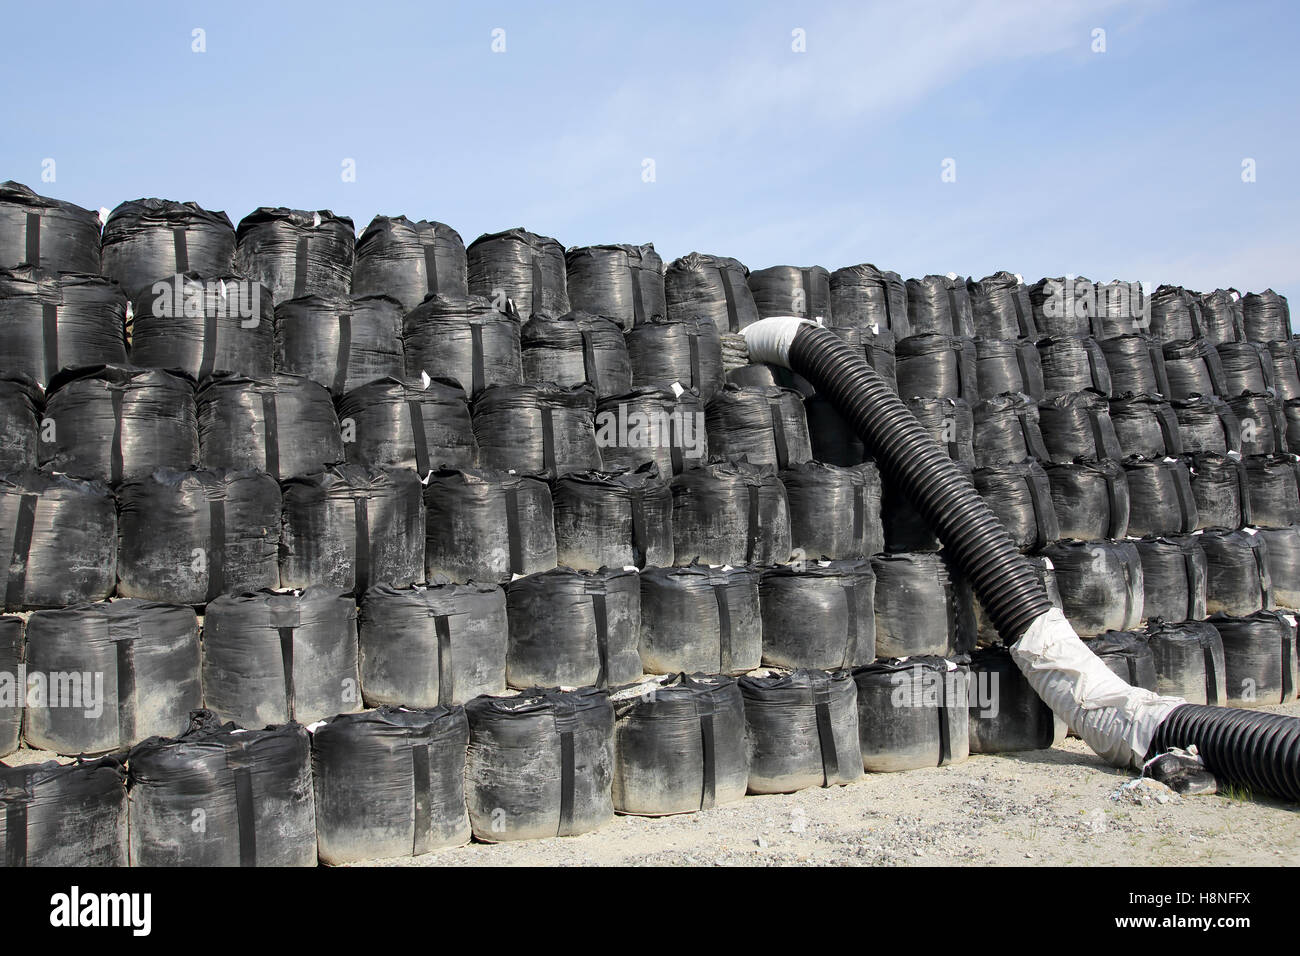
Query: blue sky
[1121, 164]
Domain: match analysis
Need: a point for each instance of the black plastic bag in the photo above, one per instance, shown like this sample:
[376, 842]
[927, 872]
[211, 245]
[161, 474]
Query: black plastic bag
[653, 424]
[1073, 364]
[537, 429]
[294, 252]
[49, 322]
[1193, 368]
[271, 656]
[220, 796]
[864, 297]
[520, 267]
[1266, 317]
[802, 729]
[1091, 499]
[1160, 497]
[1127, 655]
[818, 614]
[921, 607]
[613, 519]
[1283, 546]
[1101, 584]
[684, 350]
[1001, 308]
[1136, 365]
[540, 764]
[146, 240]
[340, 342]
[1077, 425]
[1008, 366]
[138, 665]
[792, 290]
[1007, 430]
[1189, 661]
[432, 644]
[200, 326]
[679, 745]
[487, 525]
[1006, 714]
[64, 534]
[13, 694]
[111, 422]
[700, 619]
[940, 305]
[409, 260]
[834, 511]
[465, 339]
[575, 349]
[1175, 315]
[1123, 308]
[67, 815]
[1284, 367]
[1263, 424]
[698, 286]
[765, 424]
[1206, 423]
[1064, 308]
[1222, 316]
[1273, 484]
[390, 783]
[1259, 654]
[1222, 491]
[21, 402]
[1237, 580]
[1247, 367]
[937, 366]
[730, 513]
[46, 233]
[621, 282]
[1291, 412]
[1020, 495]
[349, 527]
[408, 425]
[1174, 573]
[912, 714]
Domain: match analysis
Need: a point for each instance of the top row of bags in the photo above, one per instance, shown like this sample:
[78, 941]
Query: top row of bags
[296, 253]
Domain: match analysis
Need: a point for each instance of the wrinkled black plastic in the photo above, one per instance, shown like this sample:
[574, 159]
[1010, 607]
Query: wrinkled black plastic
[398, 424]
[699, 286]
[521, 267]
[1189, 661]
[804, 291]
[622, 282]
[574, 349]
[66, 238]
[730, 513]
[49, 322]
[408, 260]
[802, 729]
[912, 714]
[1173, 577]
[763, 423]
[1091, 499]
[189, 325]
[613, 519]
[294, 252]
[465, 339]
[537, 429]
[340, 342]
[1160, 497]
[820, 615]
[700, 619]
[1237, 578]
[1101, 584]
[921, 608]
[834, 511]
[146, 240]
[70, 815]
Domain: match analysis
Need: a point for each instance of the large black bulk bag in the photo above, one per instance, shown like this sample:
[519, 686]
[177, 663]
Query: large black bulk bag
[764, 423]
[940, 305]
[271, 656]
[1001, 308]
[1221, 489]
[1237, 579]
[905, 528]
[835, 442]
[1064, 307]
[1266, 316]
[730, 513]
[1007, 430]
[912, 714]
[340, 342]
[834, 511]
[540, 764]
[1188, 660]
[679, 745]
[1006, 715]
[1090, 498]
[819, 614]
[1283, 554]
[572, 628]
[150, 239]
[1160, 497]
[1008, 366]
[950, 423]
[465, 339]
[921, 607]
[349, 527]
[408, 425]
[21, 402]
[198, 326]
[13, 693]
[537, 429]
[1045, 571]
[802, 729]
[46, 233]
[1284, 367]
[1222, 316]
[576, 348]
[1072, 364]
[1173, 577]
[71, 815]
[937, 366]
[613, 519]
[520, 267]
[1020, 495]
[110, 423]
[621, 282]
[1193, 368]
[1291, 412]
[49, 322]
[792, 290]
[221, 796]
[1273, 483]
[1175, 315]
[137, 664]
[409, 260]
[1136, 366]
[186, 536]
[1263, 424]
[283, 424]
[1101, 584]
[1123, 308]
[656, 424]
[64, 535]
[294, 252]
[487, 525]
[1127, 656]
[389, 783]
[700, 619]
[1259, 654]
[1247, 367]
[685, 350]
[863, 297]
[699, 286]
[1077, 425]
[1207, 423]
[432, 644]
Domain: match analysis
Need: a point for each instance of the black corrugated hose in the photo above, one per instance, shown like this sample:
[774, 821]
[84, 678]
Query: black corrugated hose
[1247, 748]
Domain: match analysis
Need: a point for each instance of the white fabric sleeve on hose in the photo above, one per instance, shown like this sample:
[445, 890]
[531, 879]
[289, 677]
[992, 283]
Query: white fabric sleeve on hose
[768, 340]
[1116, 720]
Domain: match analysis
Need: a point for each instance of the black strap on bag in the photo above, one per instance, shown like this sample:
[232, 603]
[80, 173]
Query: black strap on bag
[539, 286]
[216, 546]
[1196, 575]
[16, 585]
[1261, 567]
[704, 710]
[1096, 374]
[821, 694]
[124, 646]
[566, 722]
[238, 763]
[859, 515]
[431, 268]
[590, 370]
[446, 690]
[50, 338]
[1187, 515]
[959, 360]
[361, 522]
[1215, 369]
[421, 438]
[778, 433]
[849, 587]
[638, 297]
[1211, 675]
[945, 728]
[640, 547]
[300, 267]
[1169, 433]
[1288, 667]
[548, 440]
[953, 312]
[1158, 366]
[751, 517]
[733, 320]
[1021, 324]
[33, 238]
[1243, 491]
[693, 343]
[16, 829]
[343, 357]
[115, 447]
[1113, 527]
[726, 662]
[596, 588]
[421, 789]
[271, 433]
[182, 252]
[676, 443]
[1100, 445]
[1128, 593]
[806, 283]
[1040, 499]
[477, 378]
[1032, 437]
[513, 531]
[286, 661]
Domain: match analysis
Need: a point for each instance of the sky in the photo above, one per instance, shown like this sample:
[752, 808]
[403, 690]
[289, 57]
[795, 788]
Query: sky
[778, 133]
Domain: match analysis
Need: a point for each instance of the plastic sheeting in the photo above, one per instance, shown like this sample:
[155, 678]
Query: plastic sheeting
[949, 422]
[49, 322]
[700, 286]
[921, 609]
[465, 339]
[575, 349]
[700, 619]
[1173, 578]
[613, 519]
[1007, 430]
[1222, 317]
[1101, 585]
[1136, 365]
[622, 282]
[1175, 315]
[864, 297]
[46, 233]
[272, 656]
[1193, 368]
[409, 260]
[1160, 497]
[390, 783]
[1077, 425]
[408, 425]
[730, 513]
[1263, 424]
[1145, 427]
[1259, 654]
[834, 511]
[820, 615]
[200, 326]
[939, 305]
[522, 267]
[538, 429]
[294, 252]
[765, 424]
[146, 240]
[1221, 489]
[1189, 661]
[1207, 424]
[1283, 546]
[71, 815]
[684, 350]
[804, 291]
[115, 673]
[1273, 484]
[1073, 364]
[912, 714]
[802, 729]
[1005, 366]
[1237, 578]
[220, 796]
[1090, 498]
[1247, 367]
[1127, 655]
[1266, 316]
[1064, 307]
[340, 342]
[20, 420]
[1001, 308]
